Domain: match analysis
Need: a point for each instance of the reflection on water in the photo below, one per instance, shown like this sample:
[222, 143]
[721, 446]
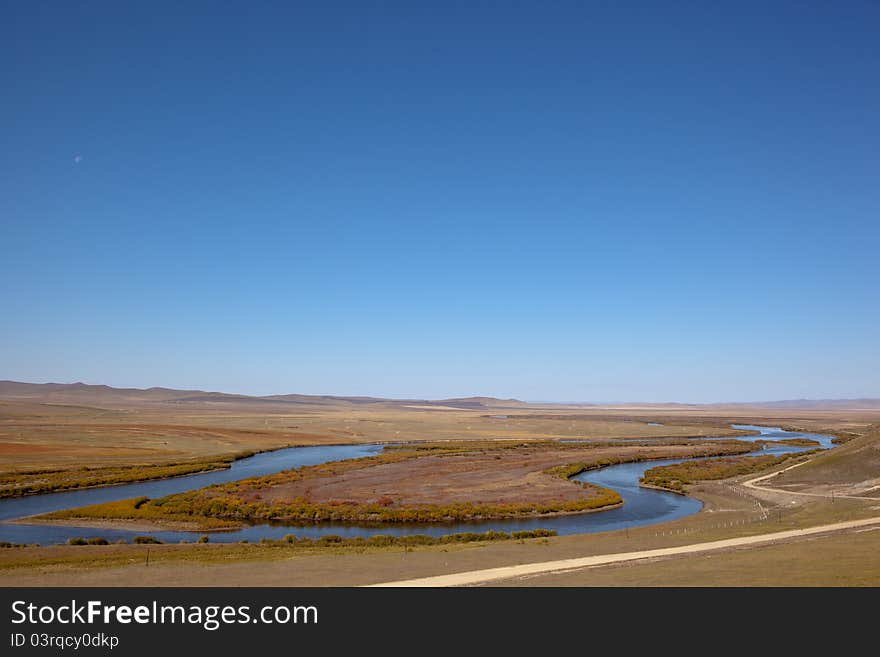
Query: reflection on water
[775, 433]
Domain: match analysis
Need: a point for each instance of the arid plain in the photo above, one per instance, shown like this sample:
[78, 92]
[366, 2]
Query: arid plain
[62, 437]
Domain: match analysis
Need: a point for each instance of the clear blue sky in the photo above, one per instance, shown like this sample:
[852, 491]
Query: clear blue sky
[554, 201]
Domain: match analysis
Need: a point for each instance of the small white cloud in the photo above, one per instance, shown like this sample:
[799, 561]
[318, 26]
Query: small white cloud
[77, 158]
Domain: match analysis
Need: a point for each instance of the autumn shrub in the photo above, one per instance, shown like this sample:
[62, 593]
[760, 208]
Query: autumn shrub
[35, 482]
[411, 540]
[146, 540]
[534, 533]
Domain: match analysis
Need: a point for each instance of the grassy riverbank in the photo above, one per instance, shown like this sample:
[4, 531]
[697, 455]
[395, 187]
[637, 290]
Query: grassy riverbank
[678, 476]
[36, 482]
[97, 552]
[791, 442]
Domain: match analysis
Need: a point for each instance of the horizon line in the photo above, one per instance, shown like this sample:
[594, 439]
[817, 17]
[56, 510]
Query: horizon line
[458, 397]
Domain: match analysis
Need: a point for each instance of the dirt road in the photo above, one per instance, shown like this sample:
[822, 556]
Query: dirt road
[753, 483]
[508, 572]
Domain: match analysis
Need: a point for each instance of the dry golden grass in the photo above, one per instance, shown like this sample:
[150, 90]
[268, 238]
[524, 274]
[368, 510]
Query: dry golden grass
[845, 559]
[40, 436]
[851, 468]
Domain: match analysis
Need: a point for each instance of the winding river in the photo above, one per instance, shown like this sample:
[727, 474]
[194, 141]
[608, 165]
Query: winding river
[642, 506]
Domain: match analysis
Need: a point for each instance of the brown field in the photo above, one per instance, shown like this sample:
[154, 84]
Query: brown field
[851, 469]
[70, 427]
[47, 437]
[45, 427]
[845, 559]
[489, 476]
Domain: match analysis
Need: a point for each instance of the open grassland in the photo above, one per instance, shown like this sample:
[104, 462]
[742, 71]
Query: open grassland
[844, 559]
[48, 437]
[202, 551]
[853, 468]
[136, 440]
[72, 426]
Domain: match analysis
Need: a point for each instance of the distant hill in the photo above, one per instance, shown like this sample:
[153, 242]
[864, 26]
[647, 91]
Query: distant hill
[88, 394]
[98, 395]
[476, 402]
[817, 404]
[83, 393]
[319, 399]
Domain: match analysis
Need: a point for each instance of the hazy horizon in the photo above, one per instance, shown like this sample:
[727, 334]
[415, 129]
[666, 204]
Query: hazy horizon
[571, 202]
[462, 396]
